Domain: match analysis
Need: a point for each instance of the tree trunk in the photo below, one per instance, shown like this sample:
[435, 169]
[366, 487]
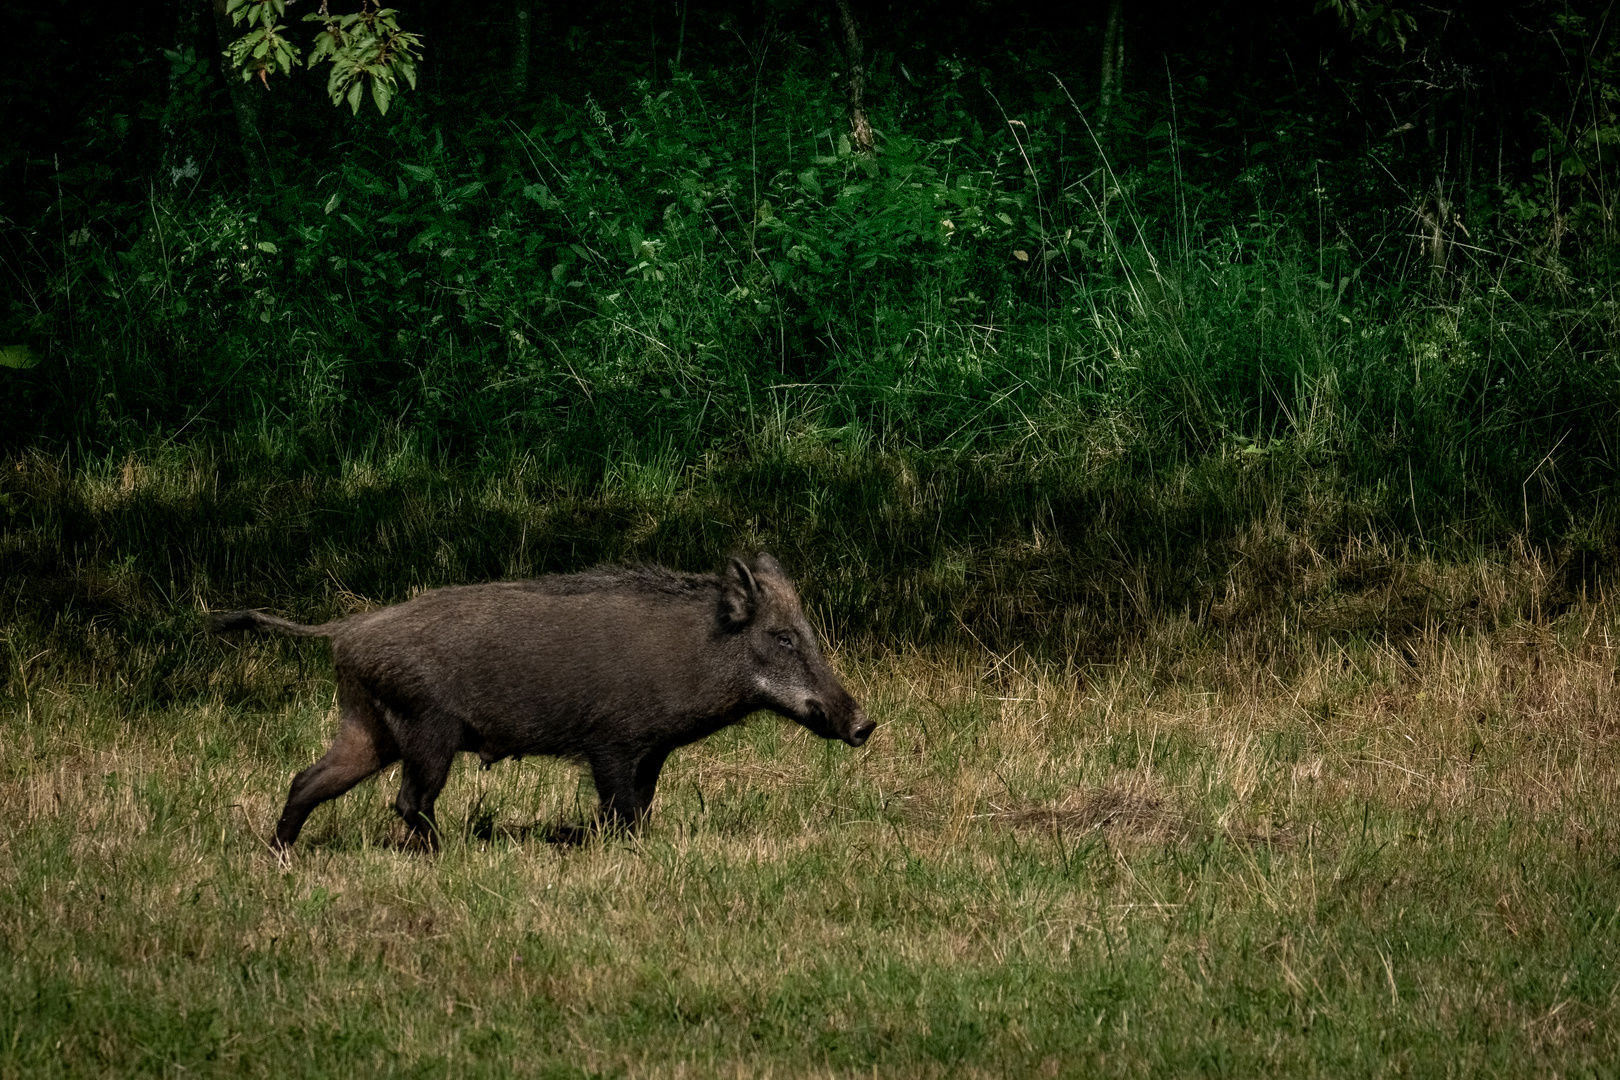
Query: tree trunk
[680, 40]
[1113, 60]
[652, 39]
[1438, 79]
[522, 12]
[244, 102]
[860, 130]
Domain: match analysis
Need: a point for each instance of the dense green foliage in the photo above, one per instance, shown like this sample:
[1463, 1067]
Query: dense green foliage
[1133, 335]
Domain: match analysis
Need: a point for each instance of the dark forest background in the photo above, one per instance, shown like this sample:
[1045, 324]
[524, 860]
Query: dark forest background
[1132, 309]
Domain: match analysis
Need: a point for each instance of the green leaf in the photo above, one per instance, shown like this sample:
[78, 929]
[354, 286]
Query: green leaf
[381, 95]
[418, 172]
[266, 246]
[354, 96]
[17, 356]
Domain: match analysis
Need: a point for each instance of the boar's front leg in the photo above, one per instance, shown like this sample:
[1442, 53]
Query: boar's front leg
[618, 781]
[647, 776]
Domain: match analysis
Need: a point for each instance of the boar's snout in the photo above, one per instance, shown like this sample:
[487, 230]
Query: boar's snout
[860, 730]
[848, 721]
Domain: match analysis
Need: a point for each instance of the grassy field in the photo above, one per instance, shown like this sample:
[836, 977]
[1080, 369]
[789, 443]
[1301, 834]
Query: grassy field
[1231, 849]
[1245, 673]
[1227, 546]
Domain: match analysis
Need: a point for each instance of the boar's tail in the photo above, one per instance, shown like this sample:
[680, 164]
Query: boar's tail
[223, 622]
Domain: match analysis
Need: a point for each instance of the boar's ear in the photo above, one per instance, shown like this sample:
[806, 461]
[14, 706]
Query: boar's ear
[765, 563]
[739, 596]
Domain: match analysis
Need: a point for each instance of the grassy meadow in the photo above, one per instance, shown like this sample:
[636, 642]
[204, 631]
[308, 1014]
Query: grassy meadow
[1354, 818]
[1214, 499]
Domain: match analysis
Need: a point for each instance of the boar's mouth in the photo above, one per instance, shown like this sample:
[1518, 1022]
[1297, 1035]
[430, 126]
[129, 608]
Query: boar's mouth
[814, 716]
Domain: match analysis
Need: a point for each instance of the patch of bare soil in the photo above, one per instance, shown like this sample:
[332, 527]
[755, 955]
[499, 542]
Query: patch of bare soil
[1112, 808]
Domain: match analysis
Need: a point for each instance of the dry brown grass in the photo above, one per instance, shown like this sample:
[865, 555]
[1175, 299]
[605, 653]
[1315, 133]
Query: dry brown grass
[1218, 848]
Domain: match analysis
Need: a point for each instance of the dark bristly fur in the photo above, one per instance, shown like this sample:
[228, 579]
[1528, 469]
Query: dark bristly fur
[614, 666]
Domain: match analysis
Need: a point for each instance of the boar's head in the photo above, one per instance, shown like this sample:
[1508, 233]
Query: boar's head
[786, 668]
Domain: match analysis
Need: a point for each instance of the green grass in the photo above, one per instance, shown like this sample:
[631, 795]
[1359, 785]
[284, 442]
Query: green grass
[1357, 858]
[1202, 766]
[1243, 651]
[1238, 609]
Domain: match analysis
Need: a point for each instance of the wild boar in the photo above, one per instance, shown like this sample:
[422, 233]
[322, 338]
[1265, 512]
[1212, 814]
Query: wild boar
[615, 667]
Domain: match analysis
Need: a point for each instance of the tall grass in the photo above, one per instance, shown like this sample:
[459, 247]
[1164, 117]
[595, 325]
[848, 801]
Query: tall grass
[650, 287]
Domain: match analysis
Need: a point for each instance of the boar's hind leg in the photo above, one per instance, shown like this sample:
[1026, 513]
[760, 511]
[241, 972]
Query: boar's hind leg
[422, 778]
[363, 745]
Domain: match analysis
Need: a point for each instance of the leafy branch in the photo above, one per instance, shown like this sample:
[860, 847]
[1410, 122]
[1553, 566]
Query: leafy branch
[365, 46]
[262, 51]
[362, 45]
[1386, 24]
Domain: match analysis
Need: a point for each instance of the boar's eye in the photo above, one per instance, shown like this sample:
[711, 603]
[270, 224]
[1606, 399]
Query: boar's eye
[784, 640]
